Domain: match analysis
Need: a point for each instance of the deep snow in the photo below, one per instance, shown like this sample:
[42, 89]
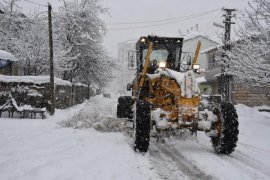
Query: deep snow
[41, 149]
[95, 148]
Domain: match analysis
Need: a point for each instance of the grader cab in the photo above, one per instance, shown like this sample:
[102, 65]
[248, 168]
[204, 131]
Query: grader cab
[166, 97]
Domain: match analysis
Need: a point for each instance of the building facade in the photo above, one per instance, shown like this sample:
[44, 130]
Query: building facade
[250, 96]
[9, 65]
[127, 71]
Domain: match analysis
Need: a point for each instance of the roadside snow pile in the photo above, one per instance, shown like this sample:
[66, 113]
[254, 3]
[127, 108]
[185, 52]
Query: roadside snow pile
[98, 113]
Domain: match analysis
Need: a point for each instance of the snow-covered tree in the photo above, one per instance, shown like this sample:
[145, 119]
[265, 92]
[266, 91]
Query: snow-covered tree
[79, 35]
[25, 37]
[12, 24]
[249, 60]
[33, 45]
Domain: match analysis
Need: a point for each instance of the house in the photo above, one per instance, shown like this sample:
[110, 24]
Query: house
[128, 70]
[9, 64]
[250, 96]
[190, 44]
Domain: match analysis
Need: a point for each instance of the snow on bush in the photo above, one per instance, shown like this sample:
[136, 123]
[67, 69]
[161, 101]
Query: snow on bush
[97, 113]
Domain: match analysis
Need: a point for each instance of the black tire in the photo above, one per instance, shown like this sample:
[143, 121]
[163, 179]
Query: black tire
[124, 107]
[125, 100]
[225, 142]
[142, 126]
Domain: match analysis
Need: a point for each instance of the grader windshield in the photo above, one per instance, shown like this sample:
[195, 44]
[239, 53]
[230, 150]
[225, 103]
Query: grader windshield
[165, 50]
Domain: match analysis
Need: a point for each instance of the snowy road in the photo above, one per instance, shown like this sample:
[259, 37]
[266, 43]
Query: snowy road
[42, 149]
[176, 165]
[194, 158]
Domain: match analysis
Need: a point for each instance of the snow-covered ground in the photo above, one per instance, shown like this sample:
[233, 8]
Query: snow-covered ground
[88, 142]
[36, 149]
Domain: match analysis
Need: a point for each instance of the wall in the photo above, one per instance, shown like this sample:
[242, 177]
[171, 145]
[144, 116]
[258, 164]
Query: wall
[38, 95]
[11, 69]
[251, 96]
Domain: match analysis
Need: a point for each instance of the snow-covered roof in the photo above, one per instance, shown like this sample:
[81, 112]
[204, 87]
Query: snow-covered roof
[210, 49]
[193, 36]
[4, 55]
[33, 79]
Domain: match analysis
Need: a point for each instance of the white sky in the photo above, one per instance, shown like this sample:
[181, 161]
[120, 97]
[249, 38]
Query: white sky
[148, 10]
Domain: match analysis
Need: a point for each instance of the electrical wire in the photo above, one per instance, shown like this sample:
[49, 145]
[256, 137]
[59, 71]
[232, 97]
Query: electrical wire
[35, 3]
[162, 20]
[209, 28]
[170, 22]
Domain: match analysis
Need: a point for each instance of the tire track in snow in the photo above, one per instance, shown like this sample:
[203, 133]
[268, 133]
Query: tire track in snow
[184, 165]
[243, 161]
[165, 167]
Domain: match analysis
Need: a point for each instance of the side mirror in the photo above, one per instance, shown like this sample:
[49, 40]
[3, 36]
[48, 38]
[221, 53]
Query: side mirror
[129, 87]
[131, 60]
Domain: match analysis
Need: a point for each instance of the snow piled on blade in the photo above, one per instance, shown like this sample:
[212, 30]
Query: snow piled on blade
[186, 80]
[98, 113]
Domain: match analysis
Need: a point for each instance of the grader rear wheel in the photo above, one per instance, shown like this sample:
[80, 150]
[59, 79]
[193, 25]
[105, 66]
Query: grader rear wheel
[227, 128]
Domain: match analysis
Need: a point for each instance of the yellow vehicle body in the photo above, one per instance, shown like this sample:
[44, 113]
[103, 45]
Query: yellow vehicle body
[164, 92]
[168, 97]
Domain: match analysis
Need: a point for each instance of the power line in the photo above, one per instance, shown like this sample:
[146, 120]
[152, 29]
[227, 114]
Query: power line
[35, 3]
[208, 28]
[162, 20]
[160, 24]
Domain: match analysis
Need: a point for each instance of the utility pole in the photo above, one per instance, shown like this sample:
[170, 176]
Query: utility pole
[225, 78]
[52, 110]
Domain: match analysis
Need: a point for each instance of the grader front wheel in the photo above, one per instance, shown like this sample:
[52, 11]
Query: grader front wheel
[124, 107]
[227, 129]
[142, 126]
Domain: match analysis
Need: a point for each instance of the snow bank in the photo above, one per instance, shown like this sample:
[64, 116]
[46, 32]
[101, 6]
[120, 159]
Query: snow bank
[4, 55]
[33, 79]
[98, 113]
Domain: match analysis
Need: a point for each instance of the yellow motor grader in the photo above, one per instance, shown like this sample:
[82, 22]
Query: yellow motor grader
[166, 97]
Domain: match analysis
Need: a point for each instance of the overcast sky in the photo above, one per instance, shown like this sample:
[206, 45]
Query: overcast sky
[153, 10]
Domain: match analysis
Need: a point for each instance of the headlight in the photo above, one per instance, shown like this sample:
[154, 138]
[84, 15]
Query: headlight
[143, 40]
[162, 65]
[196, 66]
